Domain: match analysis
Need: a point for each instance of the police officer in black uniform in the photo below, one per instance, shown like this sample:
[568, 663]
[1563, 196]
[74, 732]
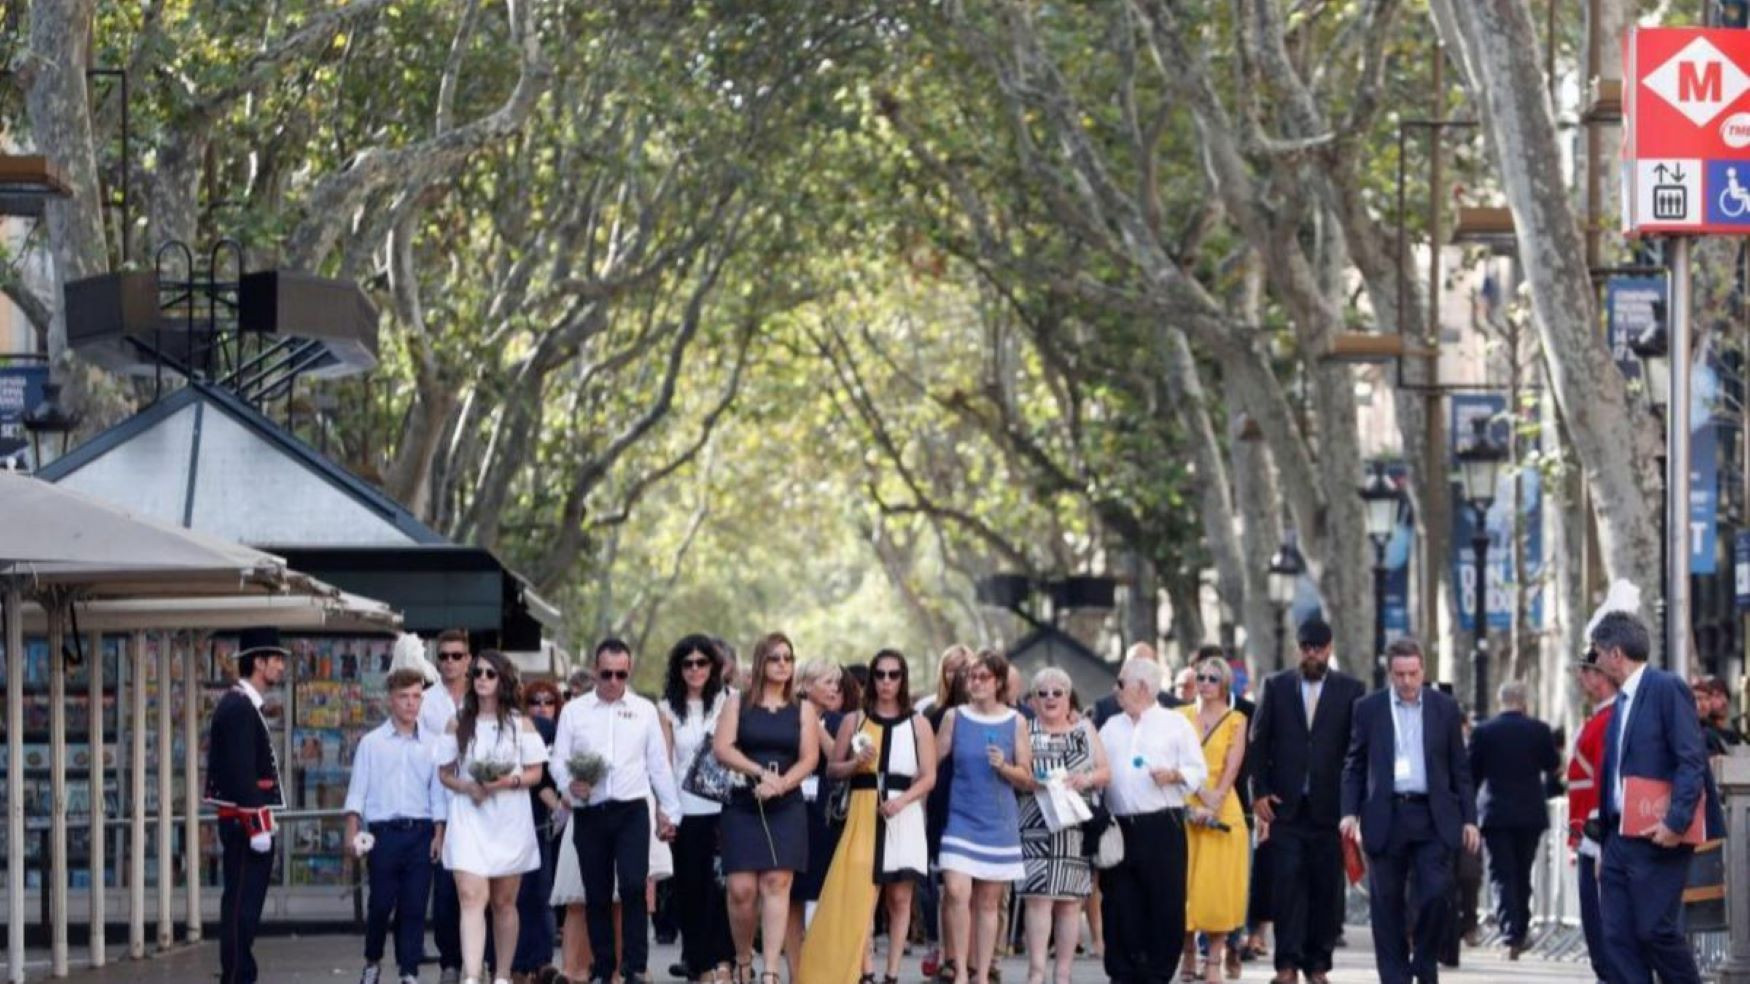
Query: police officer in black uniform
[243, 782]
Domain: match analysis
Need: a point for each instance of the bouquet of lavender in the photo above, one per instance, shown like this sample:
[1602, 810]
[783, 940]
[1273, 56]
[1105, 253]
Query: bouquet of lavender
[486, 771]
[587, 767]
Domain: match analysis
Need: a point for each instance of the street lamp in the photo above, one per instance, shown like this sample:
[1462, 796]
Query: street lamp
[49, 422]
[1385, 503]
[1480, 467]
[1283, 578]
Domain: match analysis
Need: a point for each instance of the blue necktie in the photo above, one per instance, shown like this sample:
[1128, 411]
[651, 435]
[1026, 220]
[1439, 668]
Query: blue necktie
[1612, 732]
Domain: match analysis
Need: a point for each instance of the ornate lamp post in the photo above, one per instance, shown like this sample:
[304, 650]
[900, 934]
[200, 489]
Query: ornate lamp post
[1480, 467]
[1385, 503]
[1283, 577]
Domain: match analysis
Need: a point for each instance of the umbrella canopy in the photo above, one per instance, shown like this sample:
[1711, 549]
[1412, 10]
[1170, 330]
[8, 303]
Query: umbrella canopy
[339, 612]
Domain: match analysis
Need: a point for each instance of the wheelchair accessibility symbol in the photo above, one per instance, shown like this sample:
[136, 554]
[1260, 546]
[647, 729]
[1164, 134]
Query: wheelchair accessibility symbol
[1734, 201]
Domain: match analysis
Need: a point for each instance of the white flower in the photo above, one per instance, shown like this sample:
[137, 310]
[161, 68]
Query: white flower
[861, 744]
[362, 844]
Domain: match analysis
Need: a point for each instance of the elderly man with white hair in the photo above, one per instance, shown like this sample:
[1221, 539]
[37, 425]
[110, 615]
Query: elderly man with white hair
[1156, 762]
[1513, 756]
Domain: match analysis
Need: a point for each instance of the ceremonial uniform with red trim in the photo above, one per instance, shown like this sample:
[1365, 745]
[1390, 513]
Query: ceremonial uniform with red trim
[243, 781]
[1583, 778]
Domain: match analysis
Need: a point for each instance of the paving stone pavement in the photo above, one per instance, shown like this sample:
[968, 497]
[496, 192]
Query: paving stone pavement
[336, 959]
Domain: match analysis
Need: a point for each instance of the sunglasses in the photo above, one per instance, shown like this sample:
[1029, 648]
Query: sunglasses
[981, 676]
[695, 664]
[1208, 678]
[483, 673]
[887, 674]
[1307, 647]
[613, 674]
[451, 656]
[1048, 694]
[781, 658]
[542, 701]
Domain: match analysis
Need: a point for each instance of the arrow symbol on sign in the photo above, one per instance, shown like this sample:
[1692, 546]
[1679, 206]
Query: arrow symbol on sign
[1663, 172]
[1677, 173]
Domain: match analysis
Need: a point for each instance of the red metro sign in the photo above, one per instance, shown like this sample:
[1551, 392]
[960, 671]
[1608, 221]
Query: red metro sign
[1686, 131]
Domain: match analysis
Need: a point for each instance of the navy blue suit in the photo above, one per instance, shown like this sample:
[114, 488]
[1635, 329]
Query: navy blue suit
[1408, 837]
[1640, 883]
[1511, 755]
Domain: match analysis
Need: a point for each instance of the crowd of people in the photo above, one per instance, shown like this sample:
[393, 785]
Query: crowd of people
[802, 811]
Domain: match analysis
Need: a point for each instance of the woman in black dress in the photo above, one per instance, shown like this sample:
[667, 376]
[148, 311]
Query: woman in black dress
[773, 741]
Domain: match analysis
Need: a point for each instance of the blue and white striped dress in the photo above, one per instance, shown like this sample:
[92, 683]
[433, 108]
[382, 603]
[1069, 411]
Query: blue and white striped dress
[983, 836]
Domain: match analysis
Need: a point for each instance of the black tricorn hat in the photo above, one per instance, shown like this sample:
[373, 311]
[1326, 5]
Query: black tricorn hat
[262, 640]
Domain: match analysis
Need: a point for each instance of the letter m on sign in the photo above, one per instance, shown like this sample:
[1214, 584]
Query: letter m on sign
[1698, 82]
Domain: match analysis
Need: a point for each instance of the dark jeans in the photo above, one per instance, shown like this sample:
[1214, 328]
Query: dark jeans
[1306, 894]
[1417, 855]
[536, 929]
[1512, 851]
[400, 872]
[698, 898]
[446, 917]
[1144, 908]
[1591, 920]
[613, 842]
[1641, 901]
[246, 875]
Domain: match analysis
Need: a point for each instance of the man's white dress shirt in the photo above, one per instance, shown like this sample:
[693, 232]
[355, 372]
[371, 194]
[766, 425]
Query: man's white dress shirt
[1157, 739]
[628, 736]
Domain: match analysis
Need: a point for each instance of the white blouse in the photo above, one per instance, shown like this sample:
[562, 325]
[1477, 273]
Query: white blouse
[689, 735]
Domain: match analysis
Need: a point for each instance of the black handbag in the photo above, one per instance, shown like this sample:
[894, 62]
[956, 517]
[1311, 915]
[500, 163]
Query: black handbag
[707, 777]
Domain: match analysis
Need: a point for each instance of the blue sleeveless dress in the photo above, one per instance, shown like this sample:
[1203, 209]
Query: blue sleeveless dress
[983, 835]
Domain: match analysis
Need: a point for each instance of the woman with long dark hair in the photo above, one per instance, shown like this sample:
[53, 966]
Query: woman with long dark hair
[888, 755]
[488, 759]
[774, 742]
[692, 701]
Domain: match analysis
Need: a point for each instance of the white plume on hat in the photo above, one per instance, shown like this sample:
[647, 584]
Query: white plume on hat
[409, 652]
[1623, 596]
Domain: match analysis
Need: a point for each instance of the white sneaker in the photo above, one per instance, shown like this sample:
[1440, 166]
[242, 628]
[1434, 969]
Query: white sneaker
[370, 975]
[409, 979]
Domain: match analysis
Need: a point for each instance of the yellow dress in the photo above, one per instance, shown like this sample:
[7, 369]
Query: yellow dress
[833, 947]
[1217, 861]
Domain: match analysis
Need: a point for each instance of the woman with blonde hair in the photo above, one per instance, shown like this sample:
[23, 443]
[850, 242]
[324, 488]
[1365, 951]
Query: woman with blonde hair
[820, 683]
[773, 742]
[1217, 846]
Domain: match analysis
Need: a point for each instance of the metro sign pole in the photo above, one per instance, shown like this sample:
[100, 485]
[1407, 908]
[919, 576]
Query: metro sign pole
[1686, 173]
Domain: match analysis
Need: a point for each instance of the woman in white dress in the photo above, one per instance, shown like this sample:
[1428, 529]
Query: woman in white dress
[490, 841]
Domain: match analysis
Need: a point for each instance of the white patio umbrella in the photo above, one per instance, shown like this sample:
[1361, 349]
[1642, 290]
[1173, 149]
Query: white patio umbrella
[65, 546]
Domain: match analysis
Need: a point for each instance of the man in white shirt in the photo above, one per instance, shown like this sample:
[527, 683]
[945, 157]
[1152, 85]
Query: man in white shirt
[396, 795]
[439, 705]
[612, 821]
[1156, 762]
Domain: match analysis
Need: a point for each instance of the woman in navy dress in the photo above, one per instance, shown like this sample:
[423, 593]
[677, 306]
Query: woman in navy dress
[981, 847]
[774, 742]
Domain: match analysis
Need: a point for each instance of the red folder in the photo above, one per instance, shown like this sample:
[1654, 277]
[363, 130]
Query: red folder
[1645, 802]
[1353, 865]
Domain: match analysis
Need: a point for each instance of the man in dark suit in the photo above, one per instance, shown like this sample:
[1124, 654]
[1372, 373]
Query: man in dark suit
[1511, 758]
[243, 781]
[1106, 707]
[1654, 733]
[1295, 760]
[1408, 801]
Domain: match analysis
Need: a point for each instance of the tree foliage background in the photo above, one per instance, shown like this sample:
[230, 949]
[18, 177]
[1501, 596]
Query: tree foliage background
[732, 316]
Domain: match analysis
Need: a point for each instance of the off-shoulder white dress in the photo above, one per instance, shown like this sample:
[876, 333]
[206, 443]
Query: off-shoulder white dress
[496, 837]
